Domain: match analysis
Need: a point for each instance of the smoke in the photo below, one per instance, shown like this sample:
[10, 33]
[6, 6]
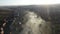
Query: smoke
[32, 26]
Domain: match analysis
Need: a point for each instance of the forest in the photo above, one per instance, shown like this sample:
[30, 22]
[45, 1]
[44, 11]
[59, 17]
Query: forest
[31, 19]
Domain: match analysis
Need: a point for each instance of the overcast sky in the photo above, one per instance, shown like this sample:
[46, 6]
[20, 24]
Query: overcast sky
[28, 2]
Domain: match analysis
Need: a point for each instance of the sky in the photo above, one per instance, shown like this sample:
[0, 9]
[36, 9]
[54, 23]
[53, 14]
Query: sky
[28, 2]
